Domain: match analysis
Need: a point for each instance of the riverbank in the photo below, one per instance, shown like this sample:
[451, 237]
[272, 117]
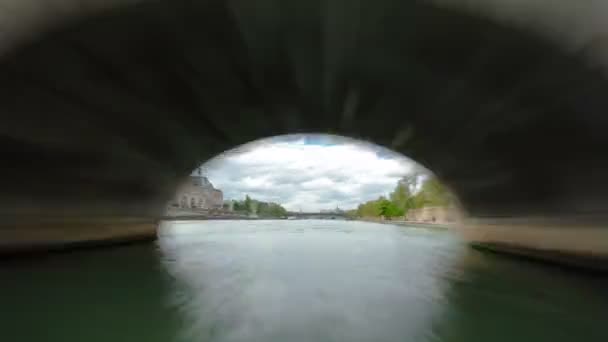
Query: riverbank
[582, 262]
[415, 224]
[573, 242]
[50, 235]
[562, 243]
[238, 272]
[571, 245]
[209, 217]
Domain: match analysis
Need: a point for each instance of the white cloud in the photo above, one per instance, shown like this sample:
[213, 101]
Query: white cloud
[308, 174]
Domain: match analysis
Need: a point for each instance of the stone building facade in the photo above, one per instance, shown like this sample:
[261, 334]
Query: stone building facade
[434, 215]
[197, 193]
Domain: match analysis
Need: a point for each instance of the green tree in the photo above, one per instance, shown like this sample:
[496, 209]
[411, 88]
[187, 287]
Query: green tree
[371, 208]
[405, 197]
[352, 214]
[433, 193]
[389, 209]
[270, 209]
[400, 197]
[238, 206]
[276, 210]
[248, 204]
[264, 209]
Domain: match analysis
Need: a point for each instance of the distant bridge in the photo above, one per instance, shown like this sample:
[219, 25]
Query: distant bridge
[317, 215]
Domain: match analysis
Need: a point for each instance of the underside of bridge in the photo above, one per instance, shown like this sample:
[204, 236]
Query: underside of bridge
[106, 105]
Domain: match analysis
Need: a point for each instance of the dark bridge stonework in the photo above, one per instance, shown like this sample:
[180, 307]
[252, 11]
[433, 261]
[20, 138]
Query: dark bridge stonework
[106, 107]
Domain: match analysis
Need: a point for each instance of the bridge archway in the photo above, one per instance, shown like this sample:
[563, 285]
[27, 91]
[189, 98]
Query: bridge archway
[104, 110]
[315, 176]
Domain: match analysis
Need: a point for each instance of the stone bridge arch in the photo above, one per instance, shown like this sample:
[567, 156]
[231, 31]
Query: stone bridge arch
[105, 107]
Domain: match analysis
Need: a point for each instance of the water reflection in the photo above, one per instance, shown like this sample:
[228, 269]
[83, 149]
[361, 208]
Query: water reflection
[297, 281]
[309, 280]
[113, 294]
[503, 299]
[345, 281]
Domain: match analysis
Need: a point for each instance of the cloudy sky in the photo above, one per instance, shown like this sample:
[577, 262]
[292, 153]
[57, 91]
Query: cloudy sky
[307, 173]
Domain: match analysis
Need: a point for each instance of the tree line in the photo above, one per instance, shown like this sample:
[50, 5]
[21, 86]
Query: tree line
[412, 192]
[260, 208]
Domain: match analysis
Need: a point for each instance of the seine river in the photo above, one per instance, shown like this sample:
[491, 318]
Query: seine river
[308, 280]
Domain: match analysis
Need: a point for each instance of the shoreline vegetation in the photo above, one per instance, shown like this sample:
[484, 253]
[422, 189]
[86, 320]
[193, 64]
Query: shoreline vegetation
[407, 203]
[256, 208]
[247, 209]
[412, 192]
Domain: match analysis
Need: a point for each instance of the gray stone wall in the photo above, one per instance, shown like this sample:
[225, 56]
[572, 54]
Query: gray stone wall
[434, 215]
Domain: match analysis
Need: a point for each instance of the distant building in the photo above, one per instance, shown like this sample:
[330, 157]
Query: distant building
[198, 193]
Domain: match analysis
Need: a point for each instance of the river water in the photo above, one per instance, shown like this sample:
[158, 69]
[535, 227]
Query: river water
[297, 281]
